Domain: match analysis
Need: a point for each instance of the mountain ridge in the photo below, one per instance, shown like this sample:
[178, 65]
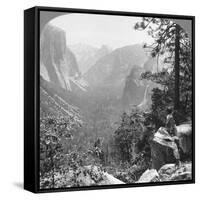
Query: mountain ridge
[88, 55]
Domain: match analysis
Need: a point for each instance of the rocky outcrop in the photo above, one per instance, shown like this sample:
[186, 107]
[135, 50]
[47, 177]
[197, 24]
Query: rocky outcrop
[84, 176]
[92, 175]
[166, 149]
[109, 180]
[149, 176]
[184, 133]
[163, 149]
[165, 153]
[168, 172]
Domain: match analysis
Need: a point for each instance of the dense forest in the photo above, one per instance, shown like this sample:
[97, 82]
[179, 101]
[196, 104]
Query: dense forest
[105, 123]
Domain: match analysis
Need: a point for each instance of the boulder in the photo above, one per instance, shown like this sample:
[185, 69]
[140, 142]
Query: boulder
[109, 180]
[166, 171]
[170, 172]
[184, 133]
[149, 176]
[84, 179]
[163, 149]
[93, 175]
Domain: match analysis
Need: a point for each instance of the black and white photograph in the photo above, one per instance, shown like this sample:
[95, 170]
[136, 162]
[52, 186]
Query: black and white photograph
[116, 100]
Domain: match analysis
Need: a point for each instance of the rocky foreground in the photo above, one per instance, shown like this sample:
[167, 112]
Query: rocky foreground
[168, 172]
[165, 152]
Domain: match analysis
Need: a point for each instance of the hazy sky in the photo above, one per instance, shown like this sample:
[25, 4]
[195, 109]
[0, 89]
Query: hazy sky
[97, 30]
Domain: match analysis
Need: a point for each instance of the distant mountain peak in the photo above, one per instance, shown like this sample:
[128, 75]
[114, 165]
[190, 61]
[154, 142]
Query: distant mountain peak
[116, 65]
[88, 55]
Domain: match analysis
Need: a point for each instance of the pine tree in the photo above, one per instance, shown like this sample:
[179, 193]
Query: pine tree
[171, 42]
[177, 68]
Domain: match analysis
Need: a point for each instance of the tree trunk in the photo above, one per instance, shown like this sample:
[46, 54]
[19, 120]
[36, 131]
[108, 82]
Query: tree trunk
[177, 70]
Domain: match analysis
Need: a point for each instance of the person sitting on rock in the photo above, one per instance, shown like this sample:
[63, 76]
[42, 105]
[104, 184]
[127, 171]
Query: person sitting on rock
[171, 129]
[170, 122]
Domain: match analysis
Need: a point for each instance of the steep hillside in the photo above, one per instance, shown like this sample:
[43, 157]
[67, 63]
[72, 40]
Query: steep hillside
[54, 104]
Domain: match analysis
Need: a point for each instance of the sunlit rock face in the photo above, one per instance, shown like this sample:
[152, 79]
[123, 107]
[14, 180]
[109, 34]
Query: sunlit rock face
[58, 63]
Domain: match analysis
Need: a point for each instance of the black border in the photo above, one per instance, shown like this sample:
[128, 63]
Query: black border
[34, 148]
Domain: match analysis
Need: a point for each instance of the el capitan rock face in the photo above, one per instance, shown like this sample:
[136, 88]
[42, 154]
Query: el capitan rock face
[58, 63]
[59, 75]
